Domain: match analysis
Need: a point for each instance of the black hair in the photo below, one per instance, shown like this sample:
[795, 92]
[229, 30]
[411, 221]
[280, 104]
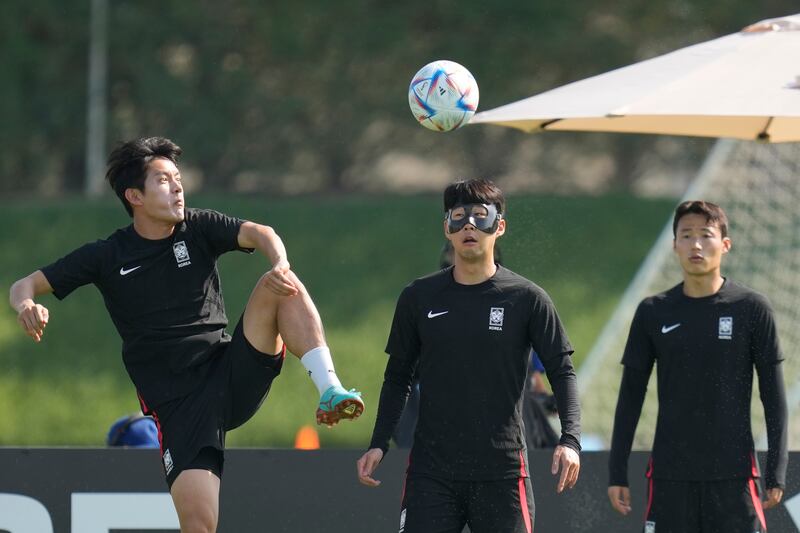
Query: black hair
[127, 164]
[474, 191]
[713, 213]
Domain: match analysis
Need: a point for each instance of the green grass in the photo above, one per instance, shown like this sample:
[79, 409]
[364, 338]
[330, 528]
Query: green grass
[354, 254]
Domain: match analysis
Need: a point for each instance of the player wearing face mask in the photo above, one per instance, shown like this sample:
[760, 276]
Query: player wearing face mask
[466, 332]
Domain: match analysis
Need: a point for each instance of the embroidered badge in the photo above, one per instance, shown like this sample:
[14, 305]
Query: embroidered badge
[168, 462]
[496, 318]
[725, 327]
[181, 254]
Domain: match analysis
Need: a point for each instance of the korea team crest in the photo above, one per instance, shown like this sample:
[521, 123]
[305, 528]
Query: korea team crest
[725, 327]
[168, 464]
[649, 527]
[181, 254]
[496, 315]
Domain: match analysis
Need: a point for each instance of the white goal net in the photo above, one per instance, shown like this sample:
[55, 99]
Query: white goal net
[758, 186]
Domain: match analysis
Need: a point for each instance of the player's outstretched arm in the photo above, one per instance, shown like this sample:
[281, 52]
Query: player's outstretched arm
[265, 240]
[367, 464]
[32, 317]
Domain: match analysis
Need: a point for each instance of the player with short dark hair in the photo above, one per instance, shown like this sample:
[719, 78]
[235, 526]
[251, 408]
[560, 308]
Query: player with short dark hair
[467, 332]
[158, 278]
[705, 335]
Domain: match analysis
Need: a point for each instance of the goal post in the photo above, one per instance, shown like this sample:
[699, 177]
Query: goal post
[758, 186]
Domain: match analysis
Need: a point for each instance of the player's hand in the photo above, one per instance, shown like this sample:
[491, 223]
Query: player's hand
[569, 462]
[33, 318]
[367, 465]
[278, 281]
[774, 497]
[620, 498]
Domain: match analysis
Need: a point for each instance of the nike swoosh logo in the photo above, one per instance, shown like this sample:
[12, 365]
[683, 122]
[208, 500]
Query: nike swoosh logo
[667, 329]
[431, 314]
[123, 272]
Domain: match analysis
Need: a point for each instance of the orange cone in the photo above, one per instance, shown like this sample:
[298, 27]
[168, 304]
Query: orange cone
[306, 439]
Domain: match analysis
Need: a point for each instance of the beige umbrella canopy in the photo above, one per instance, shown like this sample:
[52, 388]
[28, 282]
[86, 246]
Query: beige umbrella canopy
[744, 85]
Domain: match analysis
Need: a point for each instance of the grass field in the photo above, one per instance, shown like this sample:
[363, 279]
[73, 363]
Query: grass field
[355, 254]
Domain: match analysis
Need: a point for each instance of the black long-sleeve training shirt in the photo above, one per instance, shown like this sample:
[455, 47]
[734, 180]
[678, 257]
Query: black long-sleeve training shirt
[470, 346]
[163, 296]
[705, 350]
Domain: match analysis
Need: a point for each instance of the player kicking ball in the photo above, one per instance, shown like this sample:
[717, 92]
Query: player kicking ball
[467, 333]
[159, 280]
[705, 335]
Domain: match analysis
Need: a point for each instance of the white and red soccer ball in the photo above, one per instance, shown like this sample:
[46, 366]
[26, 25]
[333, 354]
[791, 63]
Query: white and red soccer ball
[443, 95]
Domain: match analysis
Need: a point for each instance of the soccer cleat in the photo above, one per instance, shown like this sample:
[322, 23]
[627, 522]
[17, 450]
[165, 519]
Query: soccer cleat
[338, 404]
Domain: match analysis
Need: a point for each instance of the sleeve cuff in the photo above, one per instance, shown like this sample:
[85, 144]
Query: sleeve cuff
[615, 481]
[772, 483]
[570, 442]
[384, 447]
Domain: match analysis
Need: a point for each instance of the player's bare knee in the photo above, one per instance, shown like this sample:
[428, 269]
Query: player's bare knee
[263, 296]
[198, 526]
[200, 519]
[263, 291]
[301, 289]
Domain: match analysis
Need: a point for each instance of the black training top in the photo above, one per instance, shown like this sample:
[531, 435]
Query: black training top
[163, 296]
[470, 346]
[705, 349]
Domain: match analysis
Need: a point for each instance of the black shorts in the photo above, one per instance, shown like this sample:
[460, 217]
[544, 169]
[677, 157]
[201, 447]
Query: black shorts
[726, 506]
[191, 429]
[436, 505]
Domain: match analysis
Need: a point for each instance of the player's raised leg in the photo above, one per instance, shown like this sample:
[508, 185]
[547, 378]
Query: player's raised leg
[279, 311]
[195, 494]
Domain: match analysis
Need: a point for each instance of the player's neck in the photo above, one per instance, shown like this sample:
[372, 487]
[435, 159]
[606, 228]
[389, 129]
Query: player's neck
[151, 229]
[473, 273]
[703, 285]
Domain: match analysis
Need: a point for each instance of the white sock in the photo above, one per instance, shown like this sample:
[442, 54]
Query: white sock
[319, 364]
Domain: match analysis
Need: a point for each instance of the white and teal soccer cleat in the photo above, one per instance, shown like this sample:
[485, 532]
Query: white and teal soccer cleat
[338, 404]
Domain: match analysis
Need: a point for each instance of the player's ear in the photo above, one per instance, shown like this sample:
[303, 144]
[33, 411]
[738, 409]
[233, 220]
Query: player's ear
[134, 196]
[727, 244]
[501, 227]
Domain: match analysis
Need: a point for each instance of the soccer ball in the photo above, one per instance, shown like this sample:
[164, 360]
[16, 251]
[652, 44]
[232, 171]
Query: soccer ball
[443, 95]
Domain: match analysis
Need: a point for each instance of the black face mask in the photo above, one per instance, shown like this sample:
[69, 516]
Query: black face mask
[483, 216]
